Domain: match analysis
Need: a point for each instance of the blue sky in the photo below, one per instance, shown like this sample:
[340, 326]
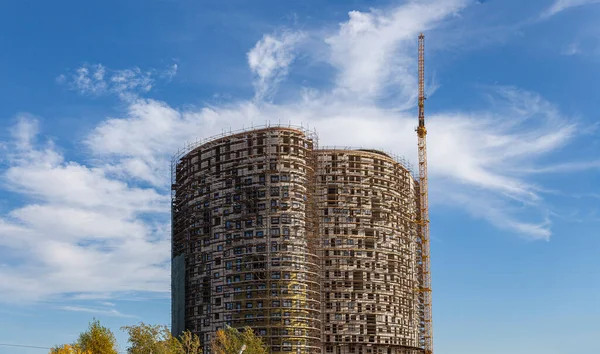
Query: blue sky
[96, 96]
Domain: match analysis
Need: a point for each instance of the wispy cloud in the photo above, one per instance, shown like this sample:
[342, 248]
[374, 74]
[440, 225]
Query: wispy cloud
[170, 73]
[500, 212]
[95, 310]
[24, 131]
[568, 167]
[88, 79]
[561, 5]
[269, 60]
[374, 51]
[97, 80]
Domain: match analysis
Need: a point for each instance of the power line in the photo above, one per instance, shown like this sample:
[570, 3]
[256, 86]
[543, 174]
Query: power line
[28, 346]
[22, 346]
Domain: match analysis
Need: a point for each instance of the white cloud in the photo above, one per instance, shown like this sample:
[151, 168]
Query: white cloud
[495, 159]
[269, 60]
[561, 5]
[88, 230]
[97, 80]
[24, 131]
[170, 73]
[89, 79]
[498, 211]
[374, 51]
[73, 184]
[82, 232]
[131, 80]
[567, 167]
[95, 310]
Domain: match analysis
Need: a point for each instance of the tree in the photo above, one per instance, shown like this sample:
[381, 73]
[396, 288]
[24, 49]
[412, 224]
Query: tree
[190, 343]
[68, 349]
[145, 339]
[97, 340]
[230, 341]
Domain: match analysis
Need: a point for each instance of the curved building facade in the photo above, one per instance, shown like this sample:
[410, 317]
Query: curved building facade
[315, 249]
[367, 204]
[244, 239]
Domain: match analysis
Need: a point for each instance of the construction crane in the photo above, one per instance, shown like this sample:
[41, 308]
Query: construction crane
[423, 214]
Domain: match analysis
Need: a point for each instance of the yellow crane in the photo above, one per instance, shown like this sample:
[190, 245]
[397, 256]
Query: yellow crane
[423, 215]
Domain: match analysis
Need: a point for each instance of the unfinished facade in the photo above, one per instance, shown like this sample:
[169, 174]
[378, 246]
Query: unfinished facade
[245, 239]
[315, 249]
[367, 205]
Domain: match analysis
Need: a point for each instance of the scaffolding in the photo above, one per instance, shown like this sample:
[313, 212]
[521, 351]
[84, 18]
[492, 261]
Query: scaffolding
[243, 217]
[314, 248]
[367, 205]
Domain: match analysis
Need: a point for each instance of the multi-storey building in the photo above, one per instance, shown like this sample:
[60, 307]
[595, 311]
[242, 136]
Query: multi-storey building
[315, 249]
[367, 205]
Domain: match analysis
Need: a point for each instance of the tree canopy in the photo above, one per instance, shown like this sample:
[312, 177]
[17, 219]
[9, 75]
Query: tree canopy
[156, 339]
[190, 343]
[97, 340]
[143, 339]
[230, 341]
[68, 349]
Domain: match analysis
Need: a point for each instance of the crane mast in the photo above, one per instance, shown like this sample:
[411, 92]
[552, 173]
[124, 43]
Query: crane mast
[423, 214]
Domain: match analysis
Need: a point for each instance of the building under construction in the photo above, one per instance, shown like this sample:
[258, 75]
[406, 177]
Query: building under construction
[315, 249]
[319, 250]
[245, 239]
[367, 203]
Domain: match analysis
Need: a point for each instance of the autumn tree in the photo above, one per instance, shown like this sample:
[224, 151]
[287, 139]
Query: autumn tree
[144, 339]
[97, 340]
[190, 343]
[231, 341]
[156, 339]
[68, 349]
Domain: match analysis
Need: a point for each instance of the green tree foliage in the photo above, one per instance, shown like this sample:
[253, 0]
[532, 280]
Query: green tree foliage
[97, 340]
[230, 341]
[155, 339]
